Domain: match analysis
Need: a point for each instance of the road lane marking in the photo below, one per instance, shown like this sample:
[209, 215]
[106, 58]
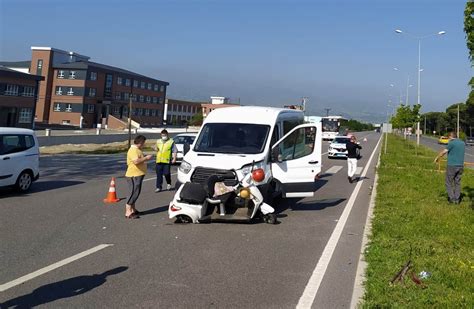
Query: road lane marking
[155, 177]
[333, 170]
[307, 298]
[358, 170]
[51, 267]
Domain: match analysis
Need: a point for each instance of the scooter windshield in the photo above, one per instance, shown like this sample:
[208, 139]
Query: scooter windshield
[232, 138]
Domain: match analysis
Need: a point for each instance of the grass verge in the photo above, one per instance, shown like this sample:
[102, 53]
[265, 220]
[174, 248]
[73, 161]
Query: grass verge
[413, 221]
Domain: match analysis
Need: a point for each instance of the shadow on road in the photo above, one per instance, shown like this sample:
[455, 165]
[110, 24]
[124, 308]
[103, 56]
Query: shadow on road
[62, 289]
[317, 205]
[40, 186]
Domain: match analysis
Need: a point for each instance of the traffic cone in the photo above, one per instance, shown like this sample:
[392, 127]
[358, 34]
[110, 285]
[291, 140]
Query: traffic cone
[365, 139]
[112, 195]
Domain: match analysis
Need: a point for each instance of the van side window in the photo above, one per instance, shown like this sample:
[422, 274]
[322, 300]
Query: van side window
[298, 144]
[275, 136]
[15, 143]
[288, 125]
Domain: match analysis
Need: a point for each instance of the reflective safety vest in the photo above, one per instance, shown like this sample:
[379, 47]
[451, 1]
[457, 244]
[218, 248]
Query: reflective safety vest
[165, 149]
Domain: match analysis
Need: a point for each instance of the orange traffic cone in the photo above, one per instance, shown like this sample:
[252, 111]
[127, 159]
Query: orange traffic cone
[112, 195]
[365, 139]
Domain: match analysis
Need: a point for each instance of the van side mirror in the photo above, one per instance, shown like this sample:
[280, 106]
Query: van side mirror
[186, 148]
[276, 156]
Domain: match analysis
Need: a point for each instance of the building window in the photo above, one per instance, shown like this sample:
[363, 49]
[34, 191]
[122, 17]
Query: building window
[142, 85]
[162, 88]
[180, 108]
[140, 111]
[153, 112]
[148, 99]
[93, 75]
[11, 90]
[39, 67]
[59, 91]
[125, 111]
[142, 98]
[135, 83]
[60, 74]
[147, 112]
[118, 96]
[70, 91]
[127, 82]
[108, 85]
[119, 80]
[90, 108]
[28, 91]
[149, 86]
[25, 115]
[155, 100]
[155, 87]
[68, 108]
[161, 100]
[57, 107]
[72, 75]
[134, 97]
[92, 92]
[116, 110]
[126, 96]
[66, 122]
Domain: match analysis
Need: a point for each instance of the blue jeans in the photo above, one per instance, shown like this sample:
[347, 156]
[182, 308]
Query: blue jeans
[163, 169]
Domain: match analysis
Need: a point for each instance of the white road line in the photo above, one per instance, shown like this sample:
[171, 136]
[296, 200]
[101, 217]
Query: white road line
[324, 153]
[51, 267]
[155, 177]
[358, 170]
[312, 287]
[334, 169]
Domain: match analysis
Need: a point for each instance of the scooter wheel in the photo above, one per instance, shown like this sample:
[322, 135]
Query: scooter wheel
[271, 218]
[183, 219]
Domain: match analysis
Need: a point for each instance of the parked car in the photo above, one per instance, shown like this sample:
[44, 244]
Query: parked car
[337, 148]
[19, 158]
[181, 140]
[470, 141]
[443, 140]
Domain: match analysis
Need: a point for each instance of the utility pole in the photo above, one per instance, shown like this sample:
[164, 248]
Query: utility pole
[303, 101]
[327, 111]
[458, 122]
[424, 131]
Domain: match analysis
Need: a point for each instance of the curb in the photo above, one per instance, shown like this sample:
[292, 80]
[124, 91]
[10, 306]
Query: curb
[358, 291]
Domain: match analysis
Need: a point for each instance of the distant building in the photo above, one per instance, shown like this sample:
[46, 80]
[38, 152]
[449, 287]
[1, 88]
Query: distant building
[82, 93]
[219, 100]
[18, 97]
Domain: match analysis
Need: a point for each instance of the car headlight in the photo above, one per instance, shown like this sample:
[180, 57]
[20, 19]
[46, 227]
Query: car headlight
[246, 169]
[185, 167]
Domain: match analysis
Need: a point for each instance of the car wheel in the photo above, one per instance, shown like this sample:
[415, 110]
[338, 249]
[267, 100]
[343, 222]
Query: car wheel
[24, 181]
[183, 219]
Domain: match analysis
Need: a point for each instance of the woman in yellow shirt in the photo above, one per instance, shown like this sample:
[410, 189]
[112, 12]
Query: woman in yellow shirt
[136, 170]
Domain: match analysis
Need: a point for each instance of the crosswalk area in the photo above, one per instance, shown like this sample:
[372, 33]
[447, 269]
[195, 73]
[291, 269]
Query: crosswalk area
[337, 168]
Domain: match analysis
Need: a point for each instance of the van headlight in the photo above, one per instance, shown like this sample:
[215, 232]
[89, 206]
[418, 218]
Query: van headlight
[185, 167]
[246, 169]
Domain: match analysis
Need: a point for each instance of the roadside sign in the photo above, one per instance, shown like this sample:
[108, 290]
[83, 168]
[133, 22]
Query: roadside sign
[387, 128]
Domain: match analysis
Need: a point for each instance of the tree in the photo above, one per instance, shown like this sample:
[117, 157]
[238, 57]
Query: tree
[406, 116]
[469, 30]
[197, 119]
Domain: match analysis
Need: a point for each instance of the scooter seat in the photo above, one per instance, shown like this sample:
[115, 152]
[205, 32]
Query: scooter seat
[193, 193]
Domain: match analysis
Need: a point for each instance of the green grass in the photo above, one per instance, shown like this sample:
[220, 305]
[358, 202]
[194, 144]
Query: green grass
[413, 221]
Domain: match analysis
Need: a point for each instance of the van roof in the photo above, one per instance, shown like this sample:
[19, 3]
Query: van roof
[11, 130]
[250, 114]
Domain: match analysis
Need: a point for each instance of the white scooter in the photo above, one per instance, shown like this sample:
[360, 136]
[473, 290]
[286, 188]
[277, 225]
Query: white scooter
[194, 203]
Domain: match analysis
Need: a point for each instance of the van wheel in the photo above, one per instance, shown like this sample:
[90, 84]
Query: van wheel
[24, 182]
[183, 219]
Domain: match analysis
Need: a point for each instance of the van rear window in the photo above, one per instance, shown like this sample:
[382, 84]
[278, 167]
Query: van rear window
[235, 138]
[12, 143]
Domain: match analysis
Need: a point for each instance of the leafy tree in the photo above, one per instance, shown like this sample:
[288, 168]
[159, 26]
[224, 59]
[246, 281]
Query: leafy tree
[406, 116]
[197, 119]
[469, 30]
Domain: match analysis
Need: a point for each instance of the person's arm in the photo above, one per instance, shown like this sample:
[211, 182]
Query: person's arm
[440, 155]
[137, 160]
[174, 151]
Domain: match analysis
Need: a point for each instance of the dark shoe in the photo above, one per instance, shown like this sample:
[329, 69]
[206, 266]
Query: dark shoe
[137, 212]
[132, 216]
[350, 179]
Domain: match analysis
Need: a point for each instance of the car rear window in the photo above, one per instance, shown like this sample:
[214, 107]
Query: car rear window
[12, 143]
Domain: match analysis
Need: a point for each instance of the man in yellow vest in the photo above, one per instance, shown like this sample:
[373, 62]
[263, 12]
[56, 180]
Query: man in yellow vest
[166, 152]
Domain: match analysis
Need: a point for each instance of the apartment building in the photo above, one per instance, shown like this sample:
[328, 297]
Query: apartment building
[18, 94]
[82, 93]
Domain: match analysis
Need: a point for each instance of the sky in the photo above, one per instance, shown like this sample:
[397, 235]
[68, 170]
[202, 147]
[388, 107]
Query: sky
[340, 53]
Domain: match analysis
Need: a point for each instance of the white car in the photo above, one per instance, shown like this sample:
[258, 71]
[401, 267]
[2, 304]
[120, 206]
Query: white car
[337, 148]
[19, 158]
[183, 139]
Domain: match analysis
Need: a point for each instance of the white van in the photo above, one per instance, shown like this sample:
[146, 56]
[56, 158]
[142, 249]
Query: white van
[274, 139]
[19, 158]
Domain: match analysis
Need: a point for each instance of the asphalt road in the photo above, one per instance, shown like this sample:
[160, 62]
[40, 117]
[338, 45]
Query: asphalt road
[154, 263]
[433, 144]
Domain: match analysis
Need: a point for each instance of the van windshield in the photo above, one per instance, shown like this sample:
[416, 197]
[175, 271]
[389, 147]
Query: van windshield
[236, 138]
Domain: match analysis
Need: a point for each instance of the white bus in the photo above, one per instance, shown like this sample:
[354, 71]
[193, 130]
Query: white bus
[331, 126]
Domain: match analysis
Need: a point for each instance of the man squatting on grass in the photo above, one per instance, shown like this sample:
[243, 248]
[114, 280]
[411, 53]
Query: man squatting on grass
[455, 150]
[136, 170]
[352, 147]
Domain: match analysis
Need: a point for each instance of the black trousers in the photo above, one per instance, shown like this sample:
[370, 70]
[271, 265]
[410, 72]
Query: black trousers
[135, 187]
